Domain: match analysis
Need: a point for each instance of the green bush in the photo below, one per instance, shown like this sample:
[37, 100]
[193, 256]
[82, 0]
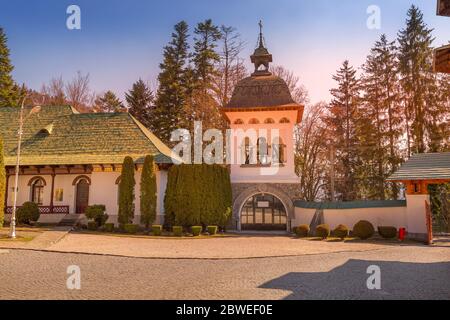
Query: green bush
[126, 192]
[212, 230]
[156, 230]
[341, 231]
[148, 192]
[27, 213]
[177, 231]
[302, 231]
[363, 230]
[92, 225]
[97, 213]
[323, 231]
[131, 228]
[198, 194]
[109, 227]
[196, 230]
[2, 184]
[387, 232]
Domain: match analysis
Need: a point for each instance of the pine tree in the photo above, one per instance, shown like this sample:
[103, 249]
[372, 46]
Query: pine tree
[126, 192]
[148, 192]
[380, 121]
[9, 91]
[2, 183]
[108, 103]
[139, 100]
[174, 85]
[343, 125]
[415, 66]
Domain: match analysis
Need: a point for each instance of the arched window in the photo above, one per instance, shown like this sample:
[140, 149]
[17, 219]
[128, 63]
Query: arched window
[254, 121]
[239, 121]
[285, 120]
[262, 151]
[269, 121]
[279, 151]
[37, 191]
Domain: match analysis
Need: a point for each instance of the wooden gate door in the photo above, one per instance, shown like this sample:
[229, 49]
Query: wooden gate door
[82, 194]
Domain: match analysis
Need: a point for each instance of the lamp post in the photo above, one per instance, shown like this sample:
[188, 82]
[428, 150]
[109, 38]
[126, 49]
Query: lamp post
[36, 109]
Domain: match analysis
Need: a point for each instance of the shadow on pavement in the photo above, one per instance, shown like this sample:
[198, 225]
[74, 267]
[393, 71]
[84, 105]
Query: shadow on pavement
[399, 280]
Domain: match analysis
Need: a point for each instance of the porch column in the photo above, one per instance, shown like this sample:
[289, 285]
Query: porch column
[52, 191]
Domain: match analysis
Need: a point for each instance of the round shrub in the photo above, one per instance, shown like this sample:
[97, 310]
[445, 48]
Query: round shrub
[341, 231]
[156, 230]
[387, 232]
[177, 231]
[97, 213]
[196, 230]
[363, 230]
[323, 231]
[27, 213]
[131, 228]
[302, 231]
[109, 227]
[92, 225]
[212, 230]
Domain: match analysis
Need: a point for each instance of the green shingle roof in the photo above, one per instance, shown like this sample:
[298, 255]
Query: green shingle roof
[59, 135]
[424, 166]
[350, 204]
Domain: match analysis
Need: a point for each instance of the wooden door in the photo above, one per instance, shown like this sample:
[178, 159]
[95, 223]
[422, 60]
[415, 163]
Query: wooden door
[82, 194]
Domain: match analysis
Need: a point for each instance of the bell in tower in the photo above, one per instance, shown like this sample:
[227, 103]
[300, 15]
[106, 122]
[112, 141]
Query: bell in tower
[261, 56]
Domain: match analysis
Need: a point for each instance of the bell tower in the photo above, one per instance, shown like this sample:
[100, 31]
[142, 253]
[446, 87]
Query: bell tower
[261, 56]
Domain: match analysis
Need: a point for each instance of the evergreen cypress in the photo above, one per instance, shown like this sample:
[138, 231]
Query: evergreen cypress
[9, 91]
[148, 192]
[139, 100]
[126, 192]
[2, 183]
[108, 103]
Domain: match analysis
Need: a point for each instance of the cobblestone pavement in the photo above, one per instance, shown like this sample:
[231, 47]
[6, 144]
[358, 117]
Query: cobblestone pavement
[406, 273]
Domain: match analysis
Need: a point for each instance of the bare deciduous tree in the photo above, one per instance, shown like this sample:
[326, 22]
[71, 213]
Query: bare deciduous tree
[298, 91]
[78, 91]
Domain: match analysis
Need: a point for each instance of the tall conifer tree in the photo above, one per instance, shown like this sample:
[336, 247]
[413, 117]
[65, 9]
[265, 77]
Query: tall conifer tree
[9, 91]
[139, 100]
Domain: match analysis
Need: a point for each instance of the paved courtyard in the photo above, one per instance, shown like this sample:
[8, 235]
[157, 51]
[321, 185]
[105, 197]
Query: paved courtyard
[407, 272]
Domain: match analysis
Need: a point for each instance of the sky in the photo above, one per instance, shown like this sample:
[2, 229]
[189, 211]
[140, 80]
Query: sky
[122, 41]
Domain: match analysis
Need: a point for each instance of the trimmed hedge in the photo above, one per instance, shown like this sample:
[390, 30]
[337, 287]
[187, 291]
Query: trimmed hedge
[196, 230]
[177, 231]
[212, 230]
[388, 232]
[97, 213]
[92, 225]
[363, 230]
[131, 228]
[323, 231]
[27, 213]
[109, 227]
[341, 231]
[198, 194]
[302, 231]
[156, 230]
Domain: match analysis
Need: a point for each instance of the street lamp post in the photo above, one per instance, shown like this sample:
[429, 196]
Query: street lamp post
[36, 109]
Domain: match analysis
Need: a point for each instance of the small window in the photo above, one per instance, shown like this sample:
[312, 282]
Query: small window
[285, 120]
[59, 195]
[239, 121]
[254, 121]
[269, 121]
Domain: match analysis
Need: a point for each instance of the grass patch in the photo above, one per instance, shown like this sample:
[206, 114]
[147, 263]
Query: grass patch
[6, 238]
